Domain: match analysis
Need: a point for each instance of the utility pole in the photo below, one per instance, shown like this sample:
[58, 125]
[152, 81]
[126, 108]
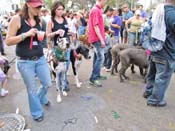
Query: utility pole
[151, 3]
[131, 4]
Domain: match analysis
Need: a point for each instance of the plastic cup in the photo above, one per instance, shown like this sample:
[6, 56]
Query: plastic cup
[40, 35]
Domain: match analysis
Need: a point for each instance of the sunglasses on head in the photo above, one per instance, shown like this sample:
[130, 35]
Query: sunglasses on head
[39, 7]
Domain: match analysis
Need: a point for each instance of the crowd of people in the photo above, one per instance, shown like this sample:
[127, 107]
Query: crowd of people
[113, 26]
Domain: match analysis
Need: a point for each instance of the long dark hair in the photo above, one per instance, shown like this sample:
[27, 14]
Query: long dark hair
[25, 14]
[55, 5]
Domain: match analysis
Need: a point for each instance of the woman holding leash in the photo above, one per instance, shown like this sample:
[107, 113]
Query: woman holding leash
[30, 58]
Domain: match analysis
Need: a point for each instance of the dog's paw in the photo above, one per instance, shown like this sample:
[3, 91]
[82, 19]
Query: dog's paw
[64, 93]
[121, 80]
[59, 98]
[79, 85]
[112, 73]
[127, 78]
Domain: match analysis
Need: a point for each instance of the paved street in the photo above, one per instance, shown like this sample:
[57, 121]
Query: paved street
[114, 107]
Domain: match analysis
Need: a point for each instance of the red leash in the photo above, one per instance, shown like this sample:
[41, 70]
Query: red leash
[31, 37]
[75, 54]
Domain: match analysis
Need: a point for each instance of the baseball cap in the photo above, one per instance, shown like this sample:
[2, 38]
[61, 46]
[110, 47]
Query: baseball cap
[137, 12]
[35, 3]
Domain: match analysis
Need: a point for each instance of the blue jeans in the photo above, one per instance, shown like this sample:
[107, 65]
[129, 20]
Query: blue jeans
[81, 30]
[115, 40]
[132, 40]
[158, 78]
[97, 61]
[108, 59]
[29, 70]
[67, 66]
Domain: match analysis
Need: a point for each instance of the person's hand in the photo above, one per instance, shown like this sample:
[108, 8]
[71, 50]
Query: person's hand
[60, 32]
[102, 44]
[31, 32]
[128, 30]
[112, 32]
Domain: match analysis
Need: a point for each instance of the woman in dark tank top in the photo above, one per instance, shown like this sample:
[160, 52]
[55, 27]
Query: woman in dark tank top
[30, 59]
[56, 28]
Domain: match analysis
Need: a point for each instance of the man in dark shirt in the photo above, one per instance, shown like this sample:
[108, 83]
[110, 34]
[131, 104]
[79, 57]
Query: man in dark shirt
[162, 63]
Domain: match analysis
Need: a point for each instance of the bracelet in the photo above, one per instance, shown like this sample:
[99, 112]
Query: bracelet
[22, 36]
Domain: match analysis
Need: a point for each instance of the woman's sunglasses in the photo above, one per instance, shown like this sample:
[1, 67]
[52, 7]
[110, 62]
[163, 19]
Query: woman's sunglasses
[39, 7]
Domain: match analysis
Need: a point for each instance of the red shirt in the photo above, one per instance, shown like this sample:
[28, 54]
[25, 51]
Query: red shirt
[95, 18]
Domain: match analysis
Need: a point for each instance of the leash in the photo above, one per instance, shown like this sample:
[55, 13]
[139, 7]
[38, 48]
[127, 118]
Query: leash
[31, 37]
[76, 55]
[10, 62]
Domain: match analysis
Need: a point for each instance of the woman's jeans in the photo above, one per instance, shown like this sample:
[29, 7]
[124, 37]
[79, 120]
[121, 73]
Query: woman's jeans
[29, 69]
[158, 78]
[133, 39]
[97, 61]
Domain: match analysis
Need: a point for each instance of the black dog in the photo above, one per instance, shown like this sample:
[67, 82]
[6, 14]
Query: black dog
[76, 59]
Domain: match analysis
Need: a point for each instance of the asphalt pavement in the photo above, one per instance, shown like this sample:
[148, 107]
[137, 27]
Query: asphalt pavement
[114, 107]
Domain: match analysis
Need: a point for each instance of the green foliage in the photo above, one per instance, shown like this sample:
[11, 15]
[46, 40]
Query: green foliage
[111, 3]
[83, 3]
[48, 3]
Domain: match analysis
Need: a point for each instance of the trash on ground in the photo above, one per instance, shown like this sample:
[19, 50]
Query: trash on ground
[27, 130]
[86, 98]
[133, 82]
[88, 87]
[17, 110]
[110, 91]
[153, 130]
[69, 121]
[2, 123]
[171, 126]
[115, 114]
[96, 120]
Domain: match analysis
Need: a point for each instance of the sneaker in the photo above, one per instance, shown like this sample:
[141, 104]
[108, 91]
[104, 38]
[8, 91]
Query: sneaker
[103, 68]
[64, 93]
[59, 98]
[4, 54]
[96, 83]
[108, 70]
[102, 77]
[146, 94]
[160, 104]
[39, 119]
[48, 103]
[4, 92]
